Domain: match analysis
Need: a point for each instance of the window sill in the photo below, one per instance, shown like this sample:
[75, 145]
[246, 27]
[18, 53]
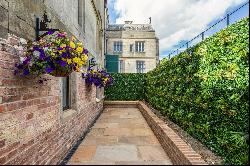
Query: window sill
[68, 114]
[117, 52]
[99, 100]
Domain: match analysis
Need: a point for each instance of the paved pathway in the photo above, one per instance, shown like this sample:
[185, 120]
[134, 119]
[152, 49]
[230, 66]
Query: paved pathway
[121, 136]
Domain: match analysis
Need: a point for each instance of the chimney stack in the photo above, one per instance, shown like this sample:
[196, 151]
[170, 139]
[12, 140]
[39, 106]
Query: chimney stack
[128, 22]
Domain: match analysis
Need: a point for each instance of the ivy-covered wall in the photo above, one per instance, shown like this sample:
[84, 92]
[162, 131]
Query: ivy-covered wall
[127, 87]
[205, 90]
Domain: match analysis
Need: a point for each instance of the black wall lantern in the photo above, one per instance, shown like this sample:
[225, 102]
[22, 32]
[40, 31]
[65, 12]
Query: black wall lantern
[92, 62]
[43, 26]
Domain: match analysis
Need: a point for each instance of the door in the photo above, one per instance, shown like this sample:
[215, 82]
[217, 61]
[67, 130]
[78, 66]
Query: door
[112, 63]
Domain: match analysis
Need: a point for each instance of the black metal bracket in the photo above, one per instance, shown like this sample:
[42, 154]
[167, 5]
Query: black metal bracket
[92, 62]
[43, 26]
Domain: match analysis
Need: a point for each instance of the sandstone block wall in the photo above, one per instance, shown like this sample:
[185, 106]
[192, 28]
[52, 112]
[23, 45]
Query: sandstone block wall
[20, 15]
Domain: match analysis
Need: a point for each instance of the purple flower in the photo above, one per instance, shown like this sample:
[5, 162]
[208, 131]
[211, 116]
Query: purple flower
[42, 54]
[49, 70]
[85, 51]
[26, 61]
[59, 48]
[26, 72]
[35, 48]
[61, 35]
[47, 59]
[15, 72]
[19, 66]
[50, 32]
[64, 55]
[62, 63]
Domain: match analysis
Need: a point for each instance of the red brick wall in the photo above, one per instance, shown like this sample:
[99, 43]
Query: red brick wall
[33, 127]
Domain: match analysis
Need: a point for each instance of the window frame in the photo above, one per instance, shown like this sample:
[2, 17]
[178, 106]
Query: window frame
[81, 14]
[140, 46]
[140, 66]
[121, 66]
[66, 95]
[131, 47]
[118, 46]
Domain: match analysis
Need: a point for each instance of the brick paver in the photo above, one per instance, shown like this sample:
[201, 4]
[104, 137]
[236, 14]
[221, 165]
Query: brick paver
[121, 136]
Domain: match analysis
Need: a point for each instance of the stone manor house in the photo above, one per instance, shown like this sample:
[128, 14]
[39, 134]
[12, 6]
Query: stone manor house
[131, 48]
[34, 127]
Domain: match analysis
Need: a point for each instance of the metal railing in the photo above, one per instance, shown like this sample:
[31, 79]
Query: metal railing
[229, 19]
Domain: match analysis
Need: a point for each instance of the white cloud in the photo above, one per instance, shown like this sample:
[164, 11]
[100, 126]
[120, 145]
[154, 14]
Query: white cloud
[173, 20]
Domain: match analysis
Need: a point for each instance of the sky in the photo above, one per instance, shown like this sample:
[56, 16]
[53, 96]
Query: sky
[175, 21]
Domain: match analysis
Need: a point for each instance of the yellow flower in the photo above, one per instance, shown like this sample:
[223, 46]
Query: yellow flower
[79, 44]
[63, 45]
[76, 60]
[69, 61]
[72, 45]
[84, 58]
[79, 49]
[53, 54]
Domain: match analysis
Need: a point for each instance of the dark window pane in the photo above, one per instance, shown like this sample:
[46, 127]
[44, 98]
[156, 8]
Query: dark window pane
[118, 46]
[139, 46]
[81, 7]
[65, 92]
[140, 66]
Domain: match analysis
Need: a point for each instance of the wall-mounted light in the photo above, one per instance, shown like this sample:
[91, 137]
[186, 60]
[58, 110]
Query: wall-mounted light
[43, 26]
[92, 62]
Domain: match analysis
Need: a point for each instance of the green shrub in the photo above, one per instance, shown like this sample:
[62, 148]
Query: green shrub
[205, 91]
[127, 87]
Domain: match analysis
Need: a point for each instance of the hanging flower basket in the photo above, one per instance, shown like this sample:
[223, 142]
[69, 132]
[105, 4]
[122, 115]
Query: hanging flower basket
[54, 54]
[58, 73]
[100, 78]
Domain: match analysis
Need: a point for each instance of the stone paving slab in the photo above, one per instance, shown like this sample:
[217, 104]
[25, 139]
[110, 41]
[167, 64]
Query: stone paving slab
[143, 163]
[101, 140]
[84, 153]
[116, 153]
[138, 140]
[121, 136]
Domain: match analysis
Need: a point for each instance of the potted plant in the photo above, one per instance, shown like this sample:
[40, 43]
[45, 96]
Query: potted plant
[54, 54]
[100, 78]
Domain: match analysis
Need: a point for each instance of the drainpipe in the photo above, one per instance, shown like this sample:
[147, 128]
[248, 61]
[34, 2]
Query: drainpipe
[104, 36]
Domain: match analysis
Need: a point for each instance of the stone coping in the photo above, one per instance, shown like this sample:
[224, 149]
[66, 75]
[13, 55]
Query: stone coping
[178, 150]
[121, 104]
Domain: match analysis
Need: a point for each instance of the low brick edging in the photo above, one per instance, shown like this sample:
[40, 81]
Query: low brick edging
[121, 104]
[178, 151]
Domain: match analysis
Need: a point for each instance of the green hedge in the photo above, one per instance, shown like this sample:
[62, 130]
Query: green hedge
[205, 91]
[127, 87]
